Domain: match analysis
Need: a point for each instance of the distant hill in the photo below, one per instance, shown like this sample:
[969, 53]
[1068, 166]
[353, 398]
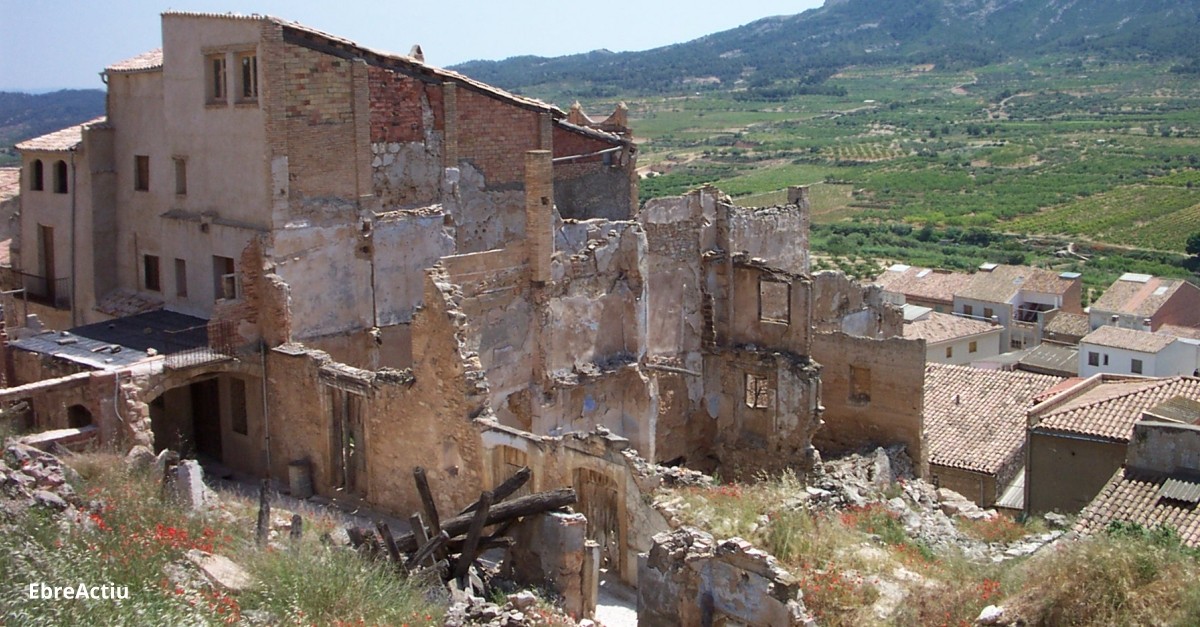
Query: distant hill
[23, 116]
[810, 46]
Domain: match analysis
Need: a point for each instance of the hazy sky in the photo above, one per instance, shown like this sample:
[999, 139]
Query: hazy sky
[50, 44]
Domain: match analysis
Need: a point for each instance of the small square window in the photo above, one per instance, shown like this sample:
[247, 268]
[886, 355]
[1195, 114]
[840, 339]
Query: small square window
[150, 276]
[973, 347]
[180, 176]
[987, 313]
[1135, 366]
[968, 310]
[758, 391]
[774, 301]
[247, 77]
[141, 173]
[1093, 359]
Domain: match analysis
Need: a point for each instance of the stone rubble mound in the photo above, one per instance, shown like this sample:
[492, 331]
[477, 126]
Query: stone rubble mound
[31, 477]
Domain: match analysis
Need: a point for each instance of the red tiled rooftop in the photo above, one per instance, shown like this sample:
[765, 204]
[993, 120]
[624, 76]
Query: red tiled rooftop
[975, 419]
[923, 283]
[1001, 284]
[1133, 496]
[1107, 408]
[61, 140]
[150, 60]
[1141, 298]
[940, 327]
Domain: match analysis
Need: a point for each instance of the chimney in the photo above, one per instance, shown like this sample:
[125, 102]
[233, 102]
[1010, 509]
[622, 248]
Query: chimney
[417, 53]
[1114, 319]
[1145, 324]
[539, 212]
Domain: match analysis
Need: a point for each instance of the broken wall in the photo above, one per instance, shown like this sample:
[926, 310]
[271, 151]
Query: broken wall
[589, 185]
[688, 578]
[873, 394]
[842, 304]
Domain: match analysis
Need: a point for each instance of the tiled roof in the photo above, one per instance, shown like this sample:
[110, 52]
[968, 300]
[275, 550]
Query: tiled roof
[1191, 333]
[61, 140]
[10, 183]
[1133, 496]
[1136, 297]
[151, 60]
[924, 283]
[1066, 323]
[1128, 339]
[940, 327]
[975, 419]
[1002, 283]
[1107, 408]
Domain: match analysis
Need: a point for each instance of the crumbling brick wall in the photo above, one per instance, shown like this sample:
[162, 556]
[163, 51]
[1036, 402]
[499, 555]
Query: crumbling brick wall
[873, 394]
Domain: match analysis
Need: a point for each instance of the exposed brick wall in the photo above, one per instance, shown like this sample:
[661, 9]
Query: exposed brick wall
[567, 143]
[320, 126]
[397, 110]
[494, 135]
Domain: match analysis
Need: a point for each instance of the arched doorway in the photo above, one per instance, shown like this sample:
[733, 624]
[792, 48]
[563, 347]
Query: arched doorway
[78, 417]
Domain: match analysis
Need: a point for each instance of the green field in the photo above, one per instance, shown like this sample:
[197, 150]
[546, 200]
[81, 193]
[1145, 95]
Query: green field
[1092, 152]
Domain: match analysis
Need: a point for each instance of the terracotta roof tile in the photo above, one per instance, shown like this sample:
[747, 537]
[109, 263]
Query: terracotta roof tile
[1128, 339]
[61, 140]
[923, 283]
[1177, 330]
[1107, 408]
[150, 60]
[940, 327]
[1132, 496]
[1137, 298]
[10, 183]
[1066, 323]
[1002, 283]
[975, 419]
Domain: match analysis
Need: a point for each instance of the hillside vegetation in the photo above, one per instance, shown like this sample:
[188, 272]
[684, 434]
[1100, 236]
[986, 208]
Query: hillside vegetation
[23, 116]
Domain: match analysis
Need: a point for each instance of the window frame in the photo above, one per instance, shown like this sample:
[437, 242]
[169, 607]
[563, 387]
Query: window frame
[786, 313]
[180, 175]
[1093, 359]
[151, 273]
[216, 79]
[973, 347]
[37, 178]
[247, 77]
[1136, 366]
[141, 173]
[61, 177]
[757, 391]
[181, 283]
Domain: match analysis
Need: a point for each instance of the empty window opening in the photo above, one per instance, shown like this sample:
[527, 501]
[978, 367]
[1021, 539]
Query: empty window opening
[248, 77]
[141, 173]
[215, 68]
[1105, 359]
[180, 176]
[224, 278]
[968, 310]
[37, 180]
[237, 407]
[181, 283]
[774, 301]
[1135, 366]
[151, 280]
[860, 384]
[973, 347]
[949, 352]
[758, 391]
[60, 177]
[78, 417]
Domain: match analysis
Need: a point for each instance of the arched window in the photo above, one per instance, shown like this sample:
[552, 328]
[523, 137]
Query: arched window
[37, 181]
[60, 177]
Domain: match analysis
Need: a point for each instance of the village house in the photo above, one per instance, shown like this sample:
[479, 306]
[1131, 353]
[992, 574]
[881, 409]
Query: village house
[975, 424]
[953, 339]
[1079, 436]
[924, 287]
[1119, 350]
[1017, 297]
[1146, 303]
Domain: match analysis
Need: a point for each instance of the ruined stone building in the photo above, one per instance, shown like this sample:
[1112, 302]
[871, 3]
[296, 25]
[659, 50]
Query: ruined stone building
[304, 258]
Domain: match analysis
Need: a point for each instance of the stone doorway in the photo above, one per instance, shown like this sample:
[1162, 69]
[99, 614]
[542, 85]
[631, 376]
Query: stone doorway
[349, 443]
[599, 501]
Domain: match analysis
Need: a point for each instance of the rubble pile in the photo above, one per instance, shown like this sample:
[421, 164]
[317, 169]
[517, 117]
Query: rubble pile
[520, 609]
[32, 477]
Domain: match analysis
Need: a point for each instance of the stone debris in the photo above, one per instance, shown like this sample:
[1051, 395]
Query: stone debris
[221, 571]
[520, 609]
[30, 477]
[186, 485]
